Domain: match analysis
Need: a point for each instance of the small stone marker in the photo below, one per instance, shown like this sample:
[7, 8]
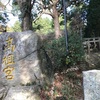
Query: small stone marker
[91, 84]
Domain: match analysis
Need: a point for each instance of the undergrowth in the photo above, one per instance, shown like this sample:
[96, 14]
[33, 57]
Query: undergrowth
[56, 49]
[64, 87]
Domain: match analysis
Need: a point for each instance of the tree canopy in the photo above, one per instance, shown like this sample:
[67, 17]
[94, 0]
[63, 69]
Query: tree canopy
[93, 19]
[3, 18]
[32, 9]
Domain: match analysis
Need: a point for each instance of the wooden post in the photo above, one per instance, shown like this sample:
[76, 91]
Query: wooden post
[99, 43]
[88, 44]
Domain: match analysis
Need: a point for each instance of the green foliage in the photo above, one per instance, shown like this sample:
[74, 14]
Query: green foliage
[61, 20]
[63, 87]
[57, 51]
[3, 17]
[67, 90]
[76, 52]
[16, 27]
[42, 25]
[15, 10]
[93, 19]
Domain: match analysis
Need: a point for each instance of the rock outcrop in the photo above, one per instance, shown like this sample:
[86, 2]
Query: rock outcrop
[22, 66]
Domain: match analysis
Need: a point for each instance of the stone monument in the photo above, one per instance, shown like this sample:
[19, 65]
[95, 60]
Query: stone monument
[21, 66]
[91, 83]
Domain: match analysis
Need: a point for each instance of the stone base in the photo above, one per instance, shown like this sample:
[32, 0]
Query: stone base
[22, 93]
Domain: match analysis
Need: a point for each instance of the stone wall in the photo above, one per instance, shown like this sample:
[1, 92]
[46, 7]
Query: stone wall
[91, 83]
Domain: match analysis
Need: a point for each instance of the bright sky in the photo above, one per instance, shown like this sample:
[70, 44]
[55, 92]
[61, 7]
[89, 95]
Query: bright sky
[12, 18]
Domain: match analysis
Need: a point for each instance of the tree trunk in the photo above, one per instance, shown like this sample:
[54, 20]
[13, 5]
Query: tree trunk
[56, 23]
[27, 22]
[25, 8]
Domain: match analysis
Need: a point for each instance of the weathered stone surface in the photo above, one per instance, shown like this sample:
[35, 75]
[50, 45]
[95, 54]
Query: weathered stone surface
[2, 91]
[91, 83]
[22, 93]
[27, 66]
[21, 66]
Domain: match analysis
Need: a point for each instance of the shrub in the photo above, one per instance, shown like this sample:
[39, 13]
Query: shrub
[56, 50]
[76, 51]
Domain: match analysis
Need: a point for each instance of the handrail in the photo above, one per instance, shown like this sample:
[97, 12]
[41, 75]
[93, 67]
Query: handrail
[91, 43]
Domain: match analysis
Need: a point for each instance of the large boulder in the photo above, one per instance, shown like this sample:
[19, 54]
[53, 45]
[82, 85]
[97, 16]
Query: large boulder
[25, 61]
[22, 63]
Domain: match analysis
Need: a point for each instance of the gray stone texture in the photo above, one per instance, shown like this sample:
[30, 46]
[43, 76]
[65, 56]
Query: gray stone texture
[91, 83]
[29, 66]
[27, 63]
[22, 93]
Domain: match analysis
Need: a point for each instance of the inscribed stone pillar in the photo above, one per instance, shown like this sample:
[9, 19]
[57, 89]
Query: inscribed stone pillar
[91, 83]
[22, 71]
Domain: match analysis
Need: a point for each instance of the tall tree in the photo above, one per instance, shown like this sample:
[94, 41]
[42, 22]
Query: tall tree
[43, 6]
[54, 8]
[76, 16]
[93, 18]
[26, 14]
[50, 7]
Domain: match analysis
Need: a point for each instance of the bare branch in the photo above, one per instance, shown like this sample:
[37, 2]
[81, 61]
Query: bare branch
[43, 12]
[7, 3]
[37, 17]
[47, 12]
[60, 11]
[45, 9]
[51, 2]
[55, 2]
